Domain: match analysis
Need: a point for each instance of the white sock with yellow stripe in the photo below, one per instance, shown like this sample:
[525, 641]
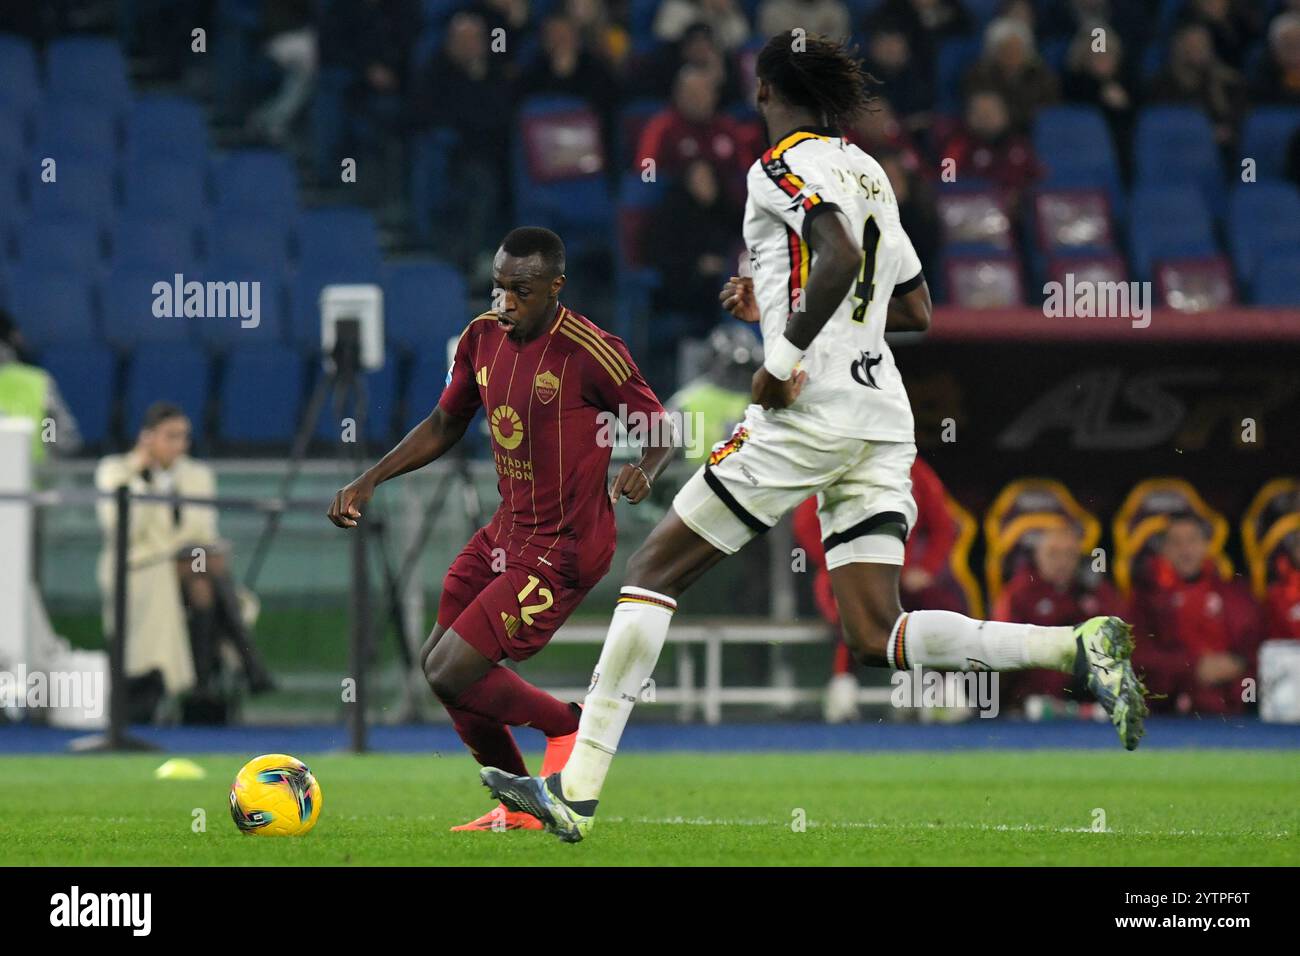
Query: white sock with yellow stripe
[636, 636]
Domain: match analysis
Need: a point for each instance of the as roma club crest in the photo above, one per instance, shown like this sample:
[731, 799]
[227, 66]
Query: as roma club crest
[547, 387]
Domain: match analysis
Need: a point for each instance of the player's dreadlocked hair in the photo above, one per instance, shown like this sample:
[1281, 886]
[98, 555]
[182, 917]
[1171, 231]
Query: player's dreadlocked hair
[822, 75]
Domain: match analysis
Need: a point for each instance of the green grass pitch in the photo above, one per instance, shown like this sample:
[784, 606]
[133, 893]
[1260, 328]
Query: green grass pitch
[968, 808]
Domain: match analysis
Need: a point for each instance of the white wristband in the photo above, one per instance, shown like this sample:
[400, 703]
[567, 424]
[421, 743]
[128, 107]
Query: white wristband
[781, 358]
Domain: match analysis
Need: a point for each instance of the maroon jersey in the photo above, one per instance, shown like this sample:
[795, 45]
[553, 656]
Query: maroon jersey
[544, 401]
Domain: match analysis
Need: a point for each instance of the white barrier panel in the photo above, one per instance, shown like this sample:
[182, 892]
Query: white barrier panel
[15, 540]
[1279, 682]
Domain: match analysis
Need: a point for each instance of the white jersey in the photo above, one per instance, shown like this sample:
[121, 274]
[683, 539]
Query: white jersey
[854, 389]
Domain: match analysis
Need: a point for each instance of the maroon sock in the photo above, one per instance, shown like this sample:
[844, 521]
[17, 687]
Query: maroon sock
[504, 696]
[489, 741]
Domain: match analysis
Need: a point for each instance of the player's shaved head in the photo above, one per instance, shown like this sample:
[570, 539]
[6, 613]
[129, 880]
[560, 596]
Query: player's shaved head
[527, 275]
[535, 241]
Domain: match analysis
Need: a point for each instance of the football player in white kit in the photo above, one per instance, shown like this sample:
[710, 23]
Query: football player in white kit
[832, 272]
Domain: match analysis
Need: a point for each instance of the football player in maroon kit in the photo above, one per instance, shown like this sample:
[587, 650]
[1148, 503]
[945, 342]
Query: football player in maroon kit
[548, 380]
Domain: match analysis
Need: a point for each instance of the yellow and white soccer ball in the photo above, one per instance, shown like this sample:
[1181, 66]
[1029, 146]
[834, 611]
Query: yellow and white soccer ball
[275, 795]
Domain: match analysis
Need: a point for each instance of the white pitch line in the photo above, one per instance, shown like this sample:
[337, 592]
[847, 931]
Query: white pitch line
[912, 825]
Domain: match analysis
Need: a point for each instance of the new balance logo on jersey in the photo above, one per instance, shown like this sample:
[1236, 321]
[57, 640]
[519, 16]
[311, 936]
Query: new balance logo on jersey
[863, 370]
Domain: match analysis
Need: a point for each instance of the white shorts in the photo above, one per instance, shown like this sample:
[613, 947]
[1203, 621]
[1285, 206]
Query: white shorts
[769, 466]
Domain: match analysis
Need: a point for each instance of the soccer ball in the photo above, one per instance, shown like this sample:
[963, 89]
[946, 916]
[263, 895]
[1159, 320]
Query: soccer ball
[275, 795]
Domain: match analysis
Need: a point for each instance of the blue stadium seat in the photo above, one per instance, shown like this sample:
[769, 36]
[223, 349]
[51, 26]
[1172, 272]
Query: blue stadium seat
[304, 298]
[138, 239]
[1263, 220]
[169, 372]
[90, 69]
[1073, 143]
[164, 126]
[166, 187]
[13, 137]
[261, 395]
[256, 179]
[85, 376]
[82, 188]
[955, 58]
[381, 408]
[425, 303]
[424, 386]
[70, 244]
[1167, 222]
[250, 241]
[270, 302]
[128, 297]
[1175, 145]
[72, 128]
[338, 235]
[52, 307]
[1278, 281]
[430, 182]
[20, 85]
[1267, 133]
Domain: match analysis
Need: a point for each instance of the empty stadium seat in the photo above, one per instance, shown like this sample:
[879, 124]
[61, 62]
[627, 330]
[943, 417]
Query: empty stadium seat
[974, 222]
[154, 240]
[431, 184]
[85, 377]
[1167, 222]
[258, 289]
[256, 179]
[81, 188]
[20, 84]
[91, 69]
[424, 386]
[1174, 145]
[1266, 136]
[161, 126]
[13, 137]
[261, 395]
[166, 187]
[72, 128]
[1194, 285]
[1074, 146]
[1094, 269]
[250, 242]
[54, 307]
[559, 165]
[425, 303]
[128, 297]
[172, 372]
[1278, 281]
[1263, 221]
[72, 244]
[338, 234]
[984, 282]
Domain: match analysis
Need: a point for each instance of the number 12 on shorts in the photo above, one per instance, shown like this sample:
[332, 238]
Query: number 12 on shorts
[528, 612]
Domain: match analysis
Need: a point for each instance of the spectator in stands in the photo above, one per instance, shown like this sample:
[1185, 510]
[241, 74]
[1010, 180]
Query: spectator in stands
[601, 33]
[879, 130]
[1194, 76]
[925, 23]
[28, 391]
[463, 89]
[512, 17]
[917, 211]
[178, 568]
[1279, 81]
[1010, 65]
[657, 75]
[924, 581]
[909, 87]
[828, 18]
[1052, 590]
[692, 241]
[1095, 78]
[1233, 26]
[724, 18]
[291, 47]
[566, 68]
[1197, 635]
[1283, 600]
[989, 147]
[692, 128]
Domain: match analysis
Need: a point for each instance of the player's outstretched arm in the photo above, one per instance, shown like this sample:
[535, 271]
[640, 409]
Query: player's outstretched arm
[911, 311]
[424, 443]
[837, 260]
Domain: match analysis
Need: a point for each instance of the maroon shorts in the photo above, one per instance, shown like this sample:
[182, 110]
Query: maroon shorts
[502, 613]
